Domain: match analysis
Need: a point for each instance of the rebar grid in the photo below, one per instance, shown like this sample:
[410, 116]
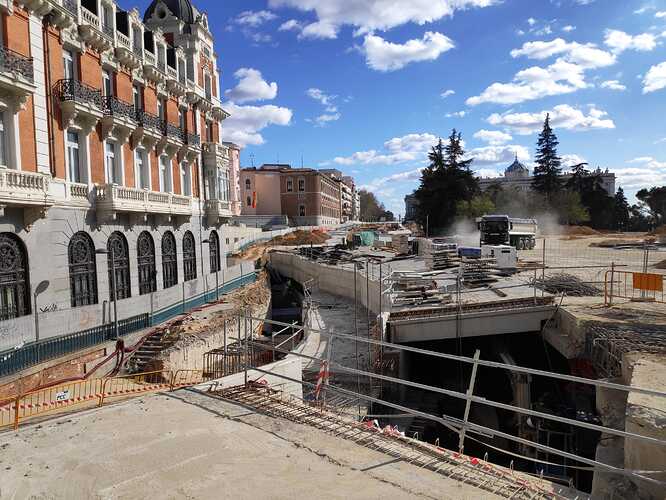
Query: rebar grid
[467, 470]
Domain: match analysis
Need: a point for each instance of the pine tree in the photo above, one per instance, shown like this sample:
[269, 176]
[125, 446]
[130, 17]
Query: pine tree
[548, 169]
[621, 210]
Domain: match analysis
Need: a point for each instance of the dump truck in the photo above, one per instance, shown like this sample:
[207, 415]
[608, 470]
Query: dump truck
[505, 230]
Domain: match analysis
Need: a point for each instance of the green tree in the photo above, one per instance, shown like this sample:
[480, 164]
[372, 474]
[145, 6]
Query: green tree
[570, 208]
[548, 169]
[444, 182]
[621, 211]
[476, 207]
[655, 199]
[371, 208]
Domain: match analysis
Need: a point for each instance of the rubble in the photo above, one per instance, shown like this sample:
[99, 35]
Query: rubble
[567, 284]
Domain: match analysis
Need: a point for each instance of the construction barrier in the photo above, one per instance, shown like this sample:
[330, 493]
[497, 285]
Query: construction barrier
[184, 378]
[128, 385]
[639, 287]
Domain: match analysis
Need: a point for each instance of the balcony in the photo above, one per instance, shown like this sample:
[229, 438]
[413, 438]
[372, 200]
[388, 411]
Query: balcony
[16, 74]
[217, 211]
[78, 194]
[215, 155]
[91, 31]
[29, 190]
[219, 113]
[112, 199]
[119, 118]
[191, 149]
[149, 130]
[79, 102]
[174, 85]
[125, 54]
[151, 70]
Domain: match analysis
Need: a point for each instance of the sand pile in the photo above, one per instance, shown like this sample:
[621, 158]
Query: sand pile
[299, 237]
[579, 231]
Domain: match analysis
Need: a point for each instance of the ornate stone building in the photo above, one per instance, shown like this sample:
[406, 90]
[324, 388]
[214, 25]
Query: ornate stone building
[112, 165]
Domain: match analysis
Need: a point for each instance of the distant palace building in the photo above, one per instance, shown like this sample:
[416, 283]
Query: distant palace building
[517, 176]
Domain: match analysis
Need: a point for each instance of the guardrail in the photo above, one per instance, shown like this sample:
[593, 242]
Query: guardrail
[637, 287]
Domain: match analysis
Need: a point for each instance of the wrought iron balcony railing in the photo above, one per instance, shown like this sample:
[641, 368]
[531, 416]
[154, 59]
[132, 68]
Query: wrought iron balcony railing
[174, 132]
[194, 139]
[71, 5]
[149, 120]
[74, 90]
[115, 107]
[15, 62]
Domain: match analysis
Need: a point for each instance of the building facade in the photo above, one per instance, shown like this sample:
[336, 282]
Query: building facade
[111, 161]
[411, 205]
[517, 176]
[234, 177]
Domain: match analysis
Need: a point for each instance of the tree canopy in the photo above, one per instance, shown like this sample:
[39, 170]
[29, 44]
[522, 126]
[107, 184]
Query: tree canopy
[548, 169]
[372, 209]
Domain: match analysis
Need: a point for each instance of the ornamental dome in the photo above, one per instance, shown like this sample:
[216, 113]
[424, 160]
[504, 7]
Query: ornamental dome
[161, 9]
[516, 169]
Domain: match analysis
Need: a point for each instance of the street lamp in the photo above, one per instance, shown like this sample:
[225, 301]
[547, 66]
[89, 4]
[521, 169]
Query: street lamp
[41, 288]
[104, 251]
[217, 270]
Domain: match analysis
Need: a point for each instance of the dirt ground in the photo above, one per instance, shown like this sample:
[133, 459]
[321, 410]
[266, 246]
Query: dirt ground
[298, 237]
[186, 445]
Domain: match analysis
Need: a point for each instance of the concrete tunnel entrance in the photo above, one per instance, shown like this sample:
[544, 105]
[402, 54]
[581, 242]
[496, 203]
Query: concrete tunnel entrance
[539, 393]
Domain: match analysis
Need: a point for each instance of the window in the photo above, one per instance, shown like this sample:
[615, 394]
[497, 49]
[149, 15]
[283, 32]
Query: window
[249, 201]
[290, 185]
[189, 257]
[141, 170]
[118, 258]
[208, 86]
[145, 248]
[107, 83]
[4, 149]
[137, 97]
[14, 282]
[165, 175]
[214, 247]
[223, 185]
[111, 163]
[185, 179]
[301, 210]
[82, 270]
[301, 184]
[209, 131]
[73, 157]
[182, 119]
[69, 63]
[248, 184]
[169, 262]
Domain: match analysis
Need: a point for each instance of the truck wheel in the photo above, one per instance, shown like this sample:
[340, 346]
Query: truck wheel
[532, 243]
[521, 244]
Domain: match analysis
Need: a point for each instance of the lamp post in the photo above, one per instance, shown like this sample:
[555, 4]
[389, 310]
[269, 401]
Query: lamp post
[41, 288]
[104, 251]
[217, 271]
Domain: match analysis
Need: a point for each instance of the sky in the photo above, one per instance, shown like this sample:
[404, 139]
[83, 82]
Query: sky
[368, 86]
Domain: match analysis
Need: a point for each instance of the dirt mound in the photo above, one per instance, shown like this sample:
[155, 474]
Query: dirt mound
[299, 237]
[579, 231]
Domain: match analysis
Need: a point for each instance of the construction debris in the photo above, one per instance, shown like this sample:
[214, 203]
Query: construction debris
[439, 253]
[566, 283]
[411, 288]
[477, 272]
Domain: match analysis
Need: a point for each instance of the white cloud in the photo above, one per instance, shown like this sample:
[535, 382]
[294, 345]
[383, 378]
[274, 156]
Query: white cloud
[565, 75]
[659, 141]
[613, 85]
[409, 175]
[655, 78]
[291, 25]
[660, 14]
[382, 55]
[323, 98]
[370, 15]
[456, 114]
[492, 137]
[251, 87]
[561, 116]
[493, 155]
[649, 162]
[569, 160]
[411, 147]
[245, 122]
[531, 21]
[447, 93]
[619, 41]
[254, 18]
[649, 172]
[325, 118]
[568, 28]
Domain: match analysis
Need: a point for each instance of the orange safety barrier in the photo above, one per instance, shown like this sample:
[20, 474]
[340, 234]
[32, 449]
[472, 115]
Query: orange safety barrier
[643, 287]
[183, 378]
[128, 385]
[52, 399]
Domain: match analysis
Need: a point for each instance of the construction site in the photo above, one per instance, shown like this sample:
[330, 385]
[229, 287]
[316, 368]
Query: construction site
[371, 361]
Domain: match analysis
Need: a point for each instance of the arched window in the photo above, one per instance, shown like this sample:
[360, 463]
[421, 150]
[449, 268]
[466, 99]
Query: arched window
[145, 248]
[248, 184]
[118, 258]
[189, 257]
[249, 201]
[169, 260]
[14, 277]
[82, 270]
[214, 247]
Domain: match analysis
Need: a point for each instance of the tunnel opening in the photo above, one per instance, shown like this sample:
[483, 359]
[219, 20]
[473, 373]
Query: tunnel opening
[286, 300]
[538, 393]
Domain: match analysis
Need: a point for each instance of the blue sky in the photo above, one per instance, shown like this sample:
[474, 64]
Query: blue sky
[368, 86]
